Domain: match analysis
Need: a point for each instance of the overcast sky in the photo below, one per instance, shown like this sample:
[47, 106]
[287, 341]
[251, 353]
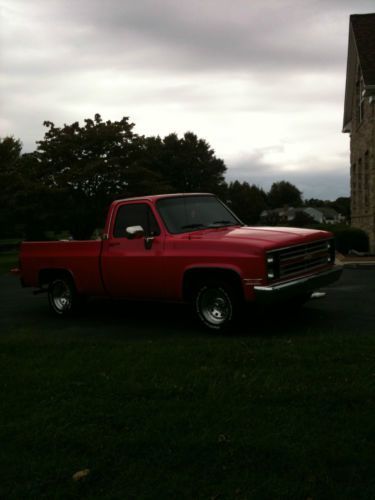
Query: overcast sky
[261, 80]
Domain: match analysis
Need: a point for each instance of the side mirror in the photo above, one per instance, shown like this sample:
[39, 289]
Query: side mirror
[134, 232]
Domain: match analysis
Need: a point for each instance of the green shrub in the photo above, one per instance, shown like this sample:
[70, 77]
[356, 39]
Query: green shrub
[351, 238]
[347, 238]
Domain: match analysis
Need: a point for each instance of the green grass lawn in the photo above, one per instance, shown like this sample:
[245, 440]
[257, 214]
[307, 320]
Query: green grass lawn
[186, 417]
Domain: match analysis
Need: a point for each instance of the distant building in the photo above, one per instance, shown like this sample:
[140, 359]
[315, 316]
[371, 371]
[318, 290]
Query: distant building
[315, 213]
[359, 121]
[286, 215]
[330, 216]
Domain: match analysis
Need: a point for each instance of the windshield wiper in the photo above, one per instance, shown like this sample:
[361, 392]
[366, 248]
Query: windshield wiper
[193, 226]
[218, 223]
[223, 222]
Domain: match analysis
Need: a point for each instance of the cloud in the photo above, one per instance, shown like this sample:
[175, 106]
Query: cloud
[245, 75]
[323, 180]
[219, 35]
[211, 35]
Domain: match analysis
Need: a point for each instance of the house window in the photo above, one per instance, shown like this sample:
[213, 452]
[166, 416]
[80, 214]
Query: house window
[360, 100]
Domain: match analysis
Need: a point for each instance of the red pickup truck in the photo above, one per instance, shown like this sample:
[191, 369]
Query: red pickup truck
[182, 248]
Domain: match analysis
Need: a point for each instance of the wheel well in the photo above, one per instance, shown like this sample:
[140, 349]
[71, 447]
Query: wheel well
[194, 276]
[48, 275]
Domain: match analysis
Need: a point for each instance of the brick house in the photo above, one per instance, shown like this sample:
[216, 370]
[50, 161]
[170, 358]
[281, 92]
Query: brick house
[359, 121]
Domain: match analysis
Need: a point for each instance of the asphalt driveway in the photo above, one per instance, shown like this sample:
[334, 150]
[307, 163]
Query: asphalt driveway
[349, 306]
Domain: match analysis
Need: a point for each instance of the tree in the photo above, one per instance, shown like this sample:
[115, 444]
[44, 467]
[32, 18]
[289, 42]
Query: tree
[246, 201]
[10, 154]
[302, 219]
[10, 151]
[284, 193]
[91, 165]
[185, 164]
[38, 206]
[24, 199]
[76, 171]
[342, 206]
[87, 167]
[315, 202]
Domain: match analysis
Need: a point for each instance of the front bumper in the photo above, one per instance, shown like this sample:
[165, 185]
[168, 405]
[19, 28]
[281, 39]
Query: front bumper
[298, 287]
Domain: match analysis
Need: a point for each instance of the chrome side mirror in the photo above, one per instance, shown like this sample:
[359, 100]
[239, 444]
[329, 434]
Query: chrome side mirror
[134, 232]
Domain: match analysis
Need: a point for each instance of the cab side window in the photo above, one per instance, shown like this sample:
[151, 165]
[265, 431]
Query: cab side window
[137, 214]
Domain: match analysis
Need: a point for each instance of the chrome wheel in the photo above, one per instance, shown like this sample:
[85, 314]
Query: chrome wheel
[214, 306]
[61, 296]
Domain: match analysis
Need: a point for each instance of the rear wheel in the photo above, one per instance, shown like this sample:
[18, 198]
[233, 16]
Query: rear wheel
[62, 296]
[217, 305]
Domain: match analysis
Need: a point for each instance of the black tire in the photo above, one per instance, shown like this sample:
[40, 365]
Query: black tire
[62, 296]
[217, 305]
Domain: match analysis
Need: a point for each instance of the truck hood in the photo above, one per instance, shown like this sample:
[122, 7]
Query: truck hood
[261, 237]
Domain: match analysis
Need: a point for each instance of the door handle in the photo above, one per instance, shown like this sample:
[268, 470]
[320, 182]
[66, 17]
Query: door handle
[113, 243]
[148, 242]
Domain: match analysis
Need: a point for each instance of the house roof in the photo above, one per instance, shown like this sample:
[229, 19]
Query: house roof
[363, 26]
[361, 48]
[328, 212]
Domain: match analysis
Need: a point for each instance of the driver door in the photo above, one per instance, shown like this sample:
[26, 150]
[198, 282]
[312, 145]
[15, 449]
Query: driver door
[132, 268]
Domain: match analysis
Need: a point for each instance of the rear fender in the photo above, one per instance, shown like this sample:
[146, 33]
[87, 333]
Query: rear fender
[47, 275]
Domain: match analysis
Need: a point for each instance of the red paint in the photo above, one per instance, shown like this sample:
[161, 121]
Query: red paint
[120, 267]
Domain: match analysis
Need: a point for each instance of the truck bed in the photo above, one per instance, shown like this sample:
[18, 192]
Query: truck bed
[80, 258]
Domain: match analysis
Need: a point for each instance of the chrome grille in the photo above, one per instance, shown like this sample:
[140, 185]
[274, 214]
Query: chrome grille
[299, 259]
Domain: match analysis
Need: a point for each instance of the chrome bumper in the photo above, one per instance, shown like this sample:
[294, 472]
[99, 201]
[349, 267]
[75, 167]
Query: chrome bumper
[294, 288]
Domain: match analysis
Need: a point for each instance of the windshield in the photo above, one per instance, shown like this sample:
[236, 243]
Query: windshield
[188, 213]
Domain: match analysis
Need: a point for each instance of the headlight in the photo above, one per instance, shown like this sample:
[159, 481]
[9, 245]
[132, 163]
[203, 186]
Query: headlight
[271, 267]
[331, 250]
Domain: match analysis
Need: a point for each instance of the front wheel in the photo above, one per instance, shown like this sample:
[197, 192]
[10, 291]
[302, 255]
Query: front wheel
[216, 306]
[62, 296]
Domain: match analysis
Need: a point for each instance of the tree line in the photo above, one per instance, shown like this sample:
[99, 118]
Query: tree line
[67, 183]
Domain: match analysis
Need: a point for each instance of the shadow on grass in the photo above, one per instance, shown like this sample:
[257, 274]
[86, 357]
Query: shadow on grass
[150, 320]
[20, 309]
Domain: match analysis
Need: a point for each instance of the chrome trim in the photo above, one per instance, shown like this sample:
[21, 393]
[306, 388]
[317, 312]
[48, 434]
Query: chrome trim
[148, 242]
[288, 262]
[295, 287]
[323, 240]
[134, 232]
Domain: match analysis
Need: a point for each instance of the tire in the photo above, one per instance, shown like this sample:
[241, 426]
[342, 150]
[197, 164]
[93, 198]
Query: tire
[62, 296]
[216, 305]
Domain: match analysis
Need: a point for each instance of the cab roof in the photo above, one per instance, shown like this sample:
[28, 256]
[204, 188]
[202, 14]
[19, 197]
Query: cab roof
[155, 197]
